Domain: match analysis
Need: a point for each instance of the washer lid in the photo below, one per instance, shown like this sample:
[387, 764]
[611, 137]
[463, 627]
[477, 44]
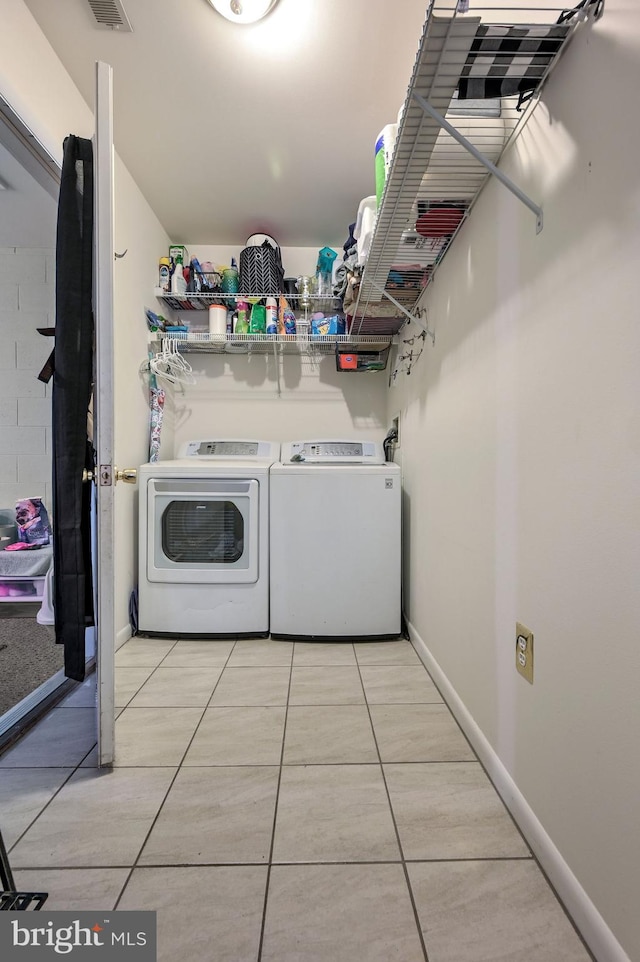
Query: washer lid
[333, 452]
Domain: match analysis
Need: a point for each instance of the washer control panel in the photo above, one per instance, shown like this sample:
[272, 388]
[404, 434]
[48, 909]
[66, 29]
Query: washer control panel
[333, 452]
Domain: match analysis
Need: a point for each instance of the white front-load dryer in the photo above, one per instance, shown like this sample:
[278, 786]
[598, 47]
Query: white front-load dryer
[204, 540]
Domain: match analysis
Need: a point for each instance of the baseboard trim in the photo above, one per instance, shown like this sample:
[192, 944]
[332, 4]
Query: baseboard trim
[123, 636]
[585, 915]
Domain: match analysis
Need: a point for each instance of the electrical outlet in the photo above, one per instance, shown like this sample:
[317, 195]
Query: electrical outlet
[524, 652]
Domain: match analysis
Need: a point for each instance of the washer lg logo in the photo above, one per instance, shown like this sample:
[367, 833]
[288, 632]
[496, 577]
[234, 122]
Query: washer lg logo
[124, 935]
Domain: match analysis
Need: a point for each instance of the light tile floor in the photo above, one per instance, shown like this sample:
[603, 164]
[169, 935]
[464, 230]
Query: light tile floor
[280, 802]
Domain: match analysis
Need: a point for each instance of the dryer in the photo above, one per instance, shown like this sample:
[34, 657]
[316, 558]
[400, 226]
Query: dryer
[335, 541]
[204, 540]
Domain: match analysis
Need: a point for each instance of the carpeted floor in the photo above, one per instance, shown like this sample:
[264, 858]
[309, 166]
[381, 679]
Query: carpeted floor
[28, 654]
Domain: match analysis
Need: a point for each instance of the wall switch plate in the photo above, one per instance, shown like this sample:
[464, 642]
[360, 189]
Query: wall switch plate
[524, 652]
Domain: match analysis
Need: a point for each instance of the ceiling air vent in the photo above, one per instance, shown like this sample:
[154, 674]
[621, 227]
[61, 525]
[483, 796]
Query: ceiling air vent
[110, 15]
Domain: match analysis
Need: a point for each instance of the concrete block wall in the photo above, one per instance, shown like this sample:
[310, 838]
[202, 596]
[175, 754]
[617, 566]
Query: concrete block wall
[27, 302]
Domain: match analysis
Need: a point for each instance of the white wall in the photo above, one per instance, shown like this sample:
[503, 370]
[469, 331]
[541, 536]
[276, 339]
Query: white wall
[237, 395]
[27, 301]
[28, 212]
[140, 234]
[519, 442]
[35, 83]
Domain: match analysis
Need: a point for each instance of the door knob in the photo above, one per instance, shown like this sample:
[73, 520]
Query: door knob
[130, 475]
[87, 475]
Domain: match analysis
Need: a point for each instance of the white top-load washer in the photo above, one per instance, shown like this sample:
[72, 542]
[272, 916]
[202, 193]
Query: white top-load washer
[335, 543]
[204, 540]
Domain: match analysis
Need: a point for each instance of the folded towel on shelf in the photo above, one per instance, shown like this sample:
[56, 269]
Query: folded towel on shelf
[505, 61]
[26, 564]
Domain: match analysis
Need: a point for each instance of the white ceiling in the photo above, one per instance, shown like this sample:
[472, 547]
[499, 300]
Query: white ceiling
[232, 129]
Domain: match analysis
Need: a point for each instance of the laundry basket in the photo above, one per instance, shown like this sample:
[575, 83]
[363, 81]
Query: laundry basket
[45, 615]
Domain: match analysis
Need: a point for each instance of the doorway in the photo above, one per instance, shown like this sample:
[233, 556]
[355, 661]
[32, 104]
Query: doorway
[30, 661]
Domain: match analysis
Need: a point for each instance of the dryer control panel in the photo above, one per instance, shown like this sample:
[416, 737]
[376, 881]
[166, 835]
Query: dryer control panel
[333, 452]
[230, 448]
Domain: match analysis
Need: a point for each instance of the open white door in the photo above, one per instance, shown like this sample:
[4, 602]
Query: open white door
[103, 411]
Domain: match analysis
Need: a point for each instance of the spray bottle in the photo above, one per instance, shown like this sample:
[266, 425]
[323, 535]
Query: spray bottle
[178, 283]
[272, 316]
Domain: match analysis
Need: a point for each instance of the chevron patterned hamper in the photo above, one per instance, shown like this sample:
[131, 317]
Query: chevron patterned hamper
[261, 270]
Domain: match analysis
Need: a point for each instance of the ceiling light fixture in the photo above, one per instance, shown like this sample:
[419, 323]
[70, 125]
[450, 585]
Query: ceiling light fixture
[243, 11]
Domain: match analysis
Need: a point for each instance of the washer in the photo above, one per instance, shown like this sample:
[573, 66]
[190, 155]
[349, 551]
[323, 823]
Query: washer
[335, 541]
[204, 540]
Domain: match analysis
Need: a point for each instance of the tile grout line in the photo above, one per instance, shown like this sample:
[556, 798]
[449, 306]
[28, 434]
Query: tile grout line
[395, 826]
[74, 769]
[150, 675]
[172, 783]
[269, 764]
[138, 690]
[48, 802]
[198, 865]
[275, 813]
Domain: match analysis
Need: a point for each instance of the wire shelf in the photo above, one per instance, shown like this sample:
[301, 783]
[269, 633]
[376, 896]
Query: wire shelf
[299, 303]
[434, 181]
[301, 343]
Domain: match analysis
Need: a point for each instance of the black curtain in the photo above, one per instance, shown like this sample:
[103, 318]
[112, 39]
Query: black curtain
[72, 385]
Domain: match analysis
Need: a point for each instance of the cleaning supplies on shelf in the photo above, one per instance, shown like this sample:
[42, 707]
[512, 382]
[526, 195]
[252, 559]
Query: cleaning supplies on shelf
[324, 271]
[242, 320]
[385, 143]
[322, 326]
[258, 319]
[271, 319]
[365, 224]
[179, 250]
[178, 283]
[164, 278]
[230, 279]
[156, 322]
[348, 359]
[199, 281]
[286, 317]
[305, 287]
[218, 320]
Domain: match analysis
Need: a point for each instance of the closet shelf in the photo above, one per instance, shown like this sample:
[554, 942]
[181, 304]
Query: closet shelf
[499, 54]
[302, 343]
[202, 302]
